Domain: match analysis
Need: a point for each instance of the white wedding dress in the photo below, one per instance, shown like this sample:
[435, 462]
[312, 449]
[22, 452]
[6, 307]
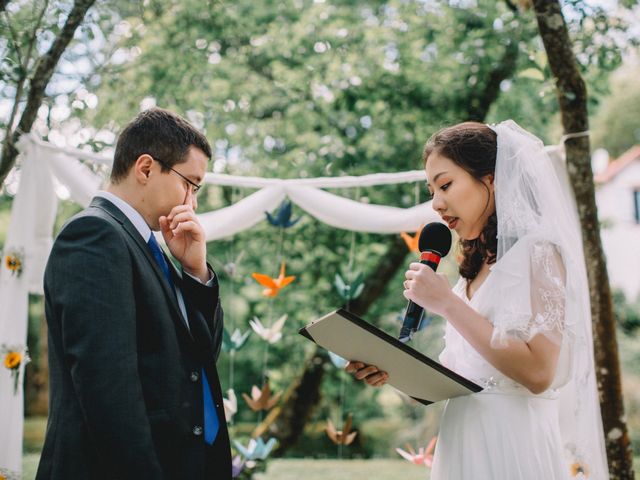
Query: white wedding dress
[505, 432]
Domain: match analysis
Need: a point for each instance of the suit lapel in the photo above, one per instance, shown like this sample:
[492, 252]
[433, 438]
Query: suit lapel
[118, 215]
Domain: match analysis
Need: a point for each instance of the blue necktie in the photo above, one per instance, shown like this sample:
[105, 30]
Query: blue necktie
[211, 423]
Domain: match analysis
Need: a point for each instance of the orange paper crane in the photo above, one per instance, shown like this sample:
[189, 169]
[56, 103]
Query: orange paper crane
[274, 285]
[344, 436]
[261, 399]
[412, 240]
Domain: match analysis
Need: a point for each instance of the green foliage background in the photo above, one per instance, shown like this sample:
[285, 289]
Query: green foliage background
[301, 88]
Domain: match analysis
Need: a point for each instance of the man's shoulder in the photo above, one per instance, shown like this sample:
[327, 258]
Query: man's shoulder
[88, 217]
[91, 219]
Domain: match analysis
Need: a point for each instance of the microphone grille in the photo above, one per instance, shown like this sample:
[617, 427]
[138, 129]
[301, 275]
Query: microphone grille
[436, 237]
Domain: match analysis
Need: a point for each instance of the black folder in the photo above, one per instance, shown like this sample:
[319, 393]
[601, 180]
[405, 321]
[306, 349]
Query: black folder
[410, 371]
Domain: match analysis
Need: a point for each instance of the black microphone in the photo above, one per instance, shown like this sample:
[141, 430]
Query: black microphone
[434, 243]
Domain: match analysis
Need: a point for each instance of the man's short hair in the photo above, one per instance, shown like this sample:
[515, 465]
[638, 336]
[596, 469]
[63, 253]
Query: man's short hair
[160, 133]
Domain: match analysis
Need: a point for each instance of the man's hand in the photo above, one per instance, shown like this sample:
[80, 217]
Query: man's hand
[186, 240]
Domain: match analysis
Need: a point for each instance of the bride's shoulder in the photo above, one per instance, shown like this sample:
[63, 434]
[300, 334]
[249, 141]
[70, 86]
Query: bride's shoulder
[530, 247]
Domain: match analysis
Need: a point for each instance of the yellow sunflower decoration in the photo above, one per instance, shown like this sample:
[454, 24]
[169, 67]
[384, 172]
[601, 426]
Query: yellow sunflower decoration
[13, 357]
[13, 262]
[12, 360]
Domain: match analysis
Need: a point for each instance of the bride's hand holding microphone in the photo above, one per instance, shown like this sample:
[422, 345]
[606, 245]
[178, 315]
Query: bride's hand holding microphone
[428, 289]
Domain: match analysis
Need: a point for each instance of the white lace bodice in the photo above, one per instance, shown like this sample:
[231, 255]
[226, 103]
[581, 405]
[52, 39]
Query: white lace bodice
[523, 295]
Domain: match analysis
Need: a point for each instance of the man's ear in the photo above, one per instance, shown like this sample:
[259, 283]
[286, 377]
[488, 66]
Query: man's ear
[142, 168]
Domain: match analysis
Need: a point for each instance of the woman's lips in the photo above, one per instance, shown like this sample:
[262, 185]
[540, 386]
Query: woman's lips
[451, 221]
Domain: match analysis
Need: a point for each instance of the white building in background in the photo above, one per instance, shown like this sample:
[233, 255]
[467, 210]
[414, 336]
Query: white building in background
[618, 200]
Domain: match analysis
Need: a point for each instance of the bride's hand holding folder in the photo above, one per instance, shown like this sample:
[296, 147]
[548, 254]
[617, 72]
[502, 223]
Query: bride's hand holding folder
[367, 373]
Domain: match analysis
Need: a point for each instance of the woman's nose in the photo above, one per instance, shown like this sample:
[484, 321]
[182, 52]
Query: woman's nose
[437, 203]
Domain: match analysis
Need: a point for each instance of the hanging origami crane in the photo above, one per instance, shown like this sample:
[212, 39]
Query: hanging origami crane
[237, 466]
[230, 265]
[257, 449]
[235, 341]
[230, 405]
[412, 240]
[261, 399]
[422, 457]
[344, 436]
[274, 285]
[282, 217]
[347, 288]
[271, 334]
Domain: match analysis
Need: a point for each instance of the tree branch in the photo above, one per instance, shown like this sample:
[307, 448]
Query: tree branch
[14, 37]
[45, 68]
[24, 66]
[479, 104]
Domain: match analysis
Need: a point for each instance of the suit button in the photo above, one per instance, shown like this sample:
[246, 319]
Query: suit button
[194, 376]
[197, 430]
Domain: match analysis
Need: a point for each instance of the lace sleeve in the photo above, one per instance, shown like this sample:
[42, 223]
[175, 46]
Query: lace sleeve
[548, 281]
[531, 301]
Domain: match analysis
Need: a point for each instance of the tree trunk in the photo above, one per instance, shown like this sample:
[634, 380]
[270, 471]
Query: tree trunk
[286, 422]
[46, 65]
[572, 97]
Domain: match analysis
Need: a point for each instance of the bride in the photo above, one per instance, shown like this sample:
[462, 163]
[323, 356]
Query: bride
[518, 320]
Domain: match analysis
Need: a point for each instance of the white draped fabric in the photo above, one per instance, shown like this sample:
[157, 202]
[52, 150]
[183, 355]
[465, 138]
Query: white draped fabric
[45, 166]
[32, 217]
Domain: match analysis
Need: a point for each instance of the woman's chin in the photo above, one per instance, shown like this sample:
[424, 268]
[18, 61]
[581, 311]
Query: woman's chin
[468, 236]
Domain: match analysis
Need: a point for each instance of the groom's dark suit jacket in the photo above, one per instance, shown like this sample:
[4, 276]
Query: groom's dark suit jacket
[125, 385]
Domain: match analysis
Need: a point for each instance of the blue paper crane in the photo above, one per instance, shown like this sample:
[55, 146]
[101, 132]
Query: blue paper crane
[282, 217]
[257, 449]
[234, 341]
[350, 286]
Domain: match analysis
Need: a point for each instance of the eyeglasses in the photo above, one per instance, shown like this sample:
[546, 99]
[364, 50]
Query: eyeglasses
[194, 186]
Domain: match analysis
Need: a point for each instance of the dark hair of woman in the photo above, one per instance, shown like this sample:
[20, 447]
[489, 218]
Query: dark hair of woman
[473, 147]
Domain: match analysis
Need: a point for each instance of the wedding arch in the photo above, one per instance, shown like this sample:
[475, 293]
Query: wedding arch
[44, 167]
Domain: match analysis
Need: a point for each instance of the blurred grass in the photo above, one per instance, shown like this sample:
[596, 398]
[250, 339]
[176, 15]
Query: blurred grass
[309, 469]
[280, 469]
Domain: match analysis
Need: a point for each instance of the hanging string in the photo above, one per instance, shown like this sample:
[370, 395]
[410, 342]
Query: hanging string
[265, 355]
[343, 385]
[232, 281]
[279, 256]
[343, 388]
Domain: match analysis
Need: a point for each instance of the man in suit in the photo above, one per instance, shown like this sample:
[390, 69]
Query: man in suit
[134, 391]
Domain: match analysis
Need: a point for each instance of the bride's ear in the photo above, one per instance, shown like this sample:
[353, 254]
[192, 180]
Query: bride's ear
[489, 180]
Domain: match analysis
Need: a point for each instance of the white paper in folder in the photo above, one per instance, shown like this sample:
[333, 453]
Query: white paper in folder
[410, 371]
